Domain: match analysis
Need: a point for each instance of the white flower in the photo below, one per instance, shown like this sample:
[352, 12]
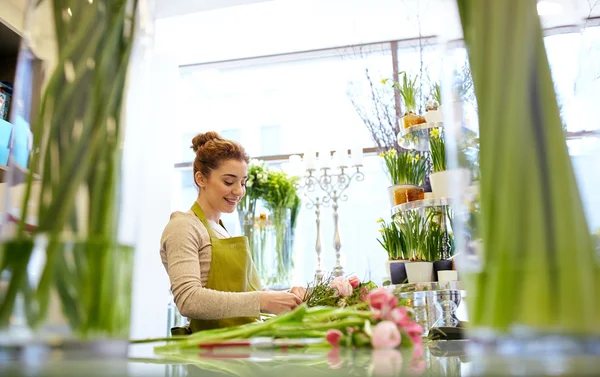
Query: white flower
[249, 183]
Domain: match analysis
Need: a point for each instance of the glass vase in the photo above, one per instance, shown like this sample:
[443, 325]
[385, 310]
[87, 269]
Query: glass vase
[67, 244]
[281, 267]
[524, 248]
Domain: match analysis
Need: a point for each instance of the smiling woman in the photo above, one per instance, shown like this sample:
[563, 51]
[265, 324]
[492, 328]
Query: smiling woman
[213, 278]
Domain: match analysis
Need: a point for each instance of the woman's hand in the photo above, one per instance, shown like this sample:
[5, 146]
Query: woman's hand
[298, 291]
[278, 302]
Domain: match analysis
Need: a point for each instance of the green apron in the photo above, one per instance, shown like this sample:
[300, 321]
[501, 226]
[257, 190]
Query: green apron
[231, 270]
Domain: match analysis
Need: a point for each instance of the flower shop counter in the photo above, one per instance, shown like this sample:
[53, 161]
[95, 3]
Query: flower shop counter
[444, 358]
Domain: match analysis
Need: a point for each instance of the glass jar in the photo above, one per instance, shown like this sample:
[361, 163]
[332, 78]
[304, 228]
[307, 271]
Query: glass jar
[67, 249]
[524, 247]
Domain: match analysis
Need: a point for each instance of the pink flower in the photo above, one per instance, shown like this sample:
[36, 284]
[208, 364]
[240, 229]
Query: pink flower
[413, 329]
[400, 317]
[417, 351]
[333, 358]
[386, 362]
[333, 336]
[385, 335]
[380, 298]
[342, 286]
[418, 367]
[354, 281]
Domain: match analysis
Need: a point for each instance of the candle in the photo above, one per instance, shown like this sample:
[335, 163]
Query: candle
[340, 157]
[295, 163]
[357, 156]
[324, 159]
[310, 160]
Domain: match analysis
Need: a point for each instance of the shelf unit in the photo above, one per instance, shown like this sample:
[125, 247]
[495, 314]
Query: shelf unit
[418, 204]
[417, 137]
[10, 41]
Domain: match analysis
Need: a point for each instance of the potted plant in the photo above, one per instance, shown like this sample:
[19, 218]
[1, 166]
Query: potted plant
[444, 182]
[439, 241]
[407, 171]
[394, 243]
[409, 92]
[413, 226]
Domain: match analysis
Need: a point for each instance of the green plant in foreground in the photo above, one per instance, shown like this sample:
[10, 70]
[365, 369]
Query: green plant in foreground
[77, 138]
[538, 252]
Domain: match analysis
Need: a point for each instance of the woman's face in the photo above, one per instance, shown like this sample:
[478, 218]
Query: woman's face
[225, 186]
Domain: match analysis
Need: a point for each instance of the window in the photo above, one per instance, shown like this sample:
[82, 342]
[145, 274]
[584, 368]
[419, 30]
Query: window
[286, 104]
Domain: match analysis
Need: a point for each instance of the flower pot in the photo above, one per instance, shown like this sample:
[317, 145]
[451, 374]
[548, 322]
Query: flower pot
[402, 193]
[441, 265]
[397, 271]
[434, 116]
[448, 183]
[419, 272]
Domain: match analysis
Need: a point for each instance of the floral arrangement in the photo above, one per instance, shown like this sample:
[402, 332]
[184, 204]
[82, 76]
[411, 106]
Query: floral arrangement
[437, 147]
[407, 167]
[256, 185]
[393, 326]
[339, 291]
[277, 192]
[393, 240]
[381, 323]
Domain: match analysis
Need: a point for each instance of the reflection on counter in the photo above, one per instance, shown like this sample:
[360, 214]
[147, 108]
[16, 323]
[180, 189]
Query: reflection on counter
[442, 358]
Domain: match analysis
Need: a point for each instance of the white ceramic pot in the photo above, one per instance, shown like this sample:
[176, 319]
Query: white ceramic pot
[443, 181]
[419, 272]
[434, 116]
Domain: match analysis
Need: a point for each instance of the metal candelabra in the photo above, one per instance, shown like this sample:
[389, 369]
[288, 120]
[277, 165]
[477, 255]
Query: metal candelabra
[333, 186]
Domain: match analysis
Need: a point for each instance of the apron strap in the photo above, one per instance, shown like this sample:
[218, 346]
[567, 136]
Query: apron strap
[200, 215]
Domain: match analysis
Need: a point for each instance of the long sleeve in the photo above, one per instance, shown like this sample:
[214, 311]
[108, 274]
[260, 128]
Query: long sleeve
[186, 254]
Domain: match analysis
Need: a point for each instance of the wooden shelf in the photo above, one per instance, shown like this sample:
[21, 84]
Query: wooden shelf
[9, 50]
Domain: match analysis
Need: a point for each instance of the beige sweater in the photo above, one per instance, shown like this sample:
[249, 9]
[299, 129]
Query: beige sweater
[186, 253]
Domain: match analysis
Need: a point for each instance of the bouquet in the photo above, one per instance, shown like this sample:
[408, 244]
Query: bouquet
[381, 322]
[339, 292]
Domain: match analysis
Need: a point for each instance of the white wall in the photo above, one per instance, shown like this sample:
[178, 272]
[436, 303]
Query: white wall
[276, 27]
[148, 179]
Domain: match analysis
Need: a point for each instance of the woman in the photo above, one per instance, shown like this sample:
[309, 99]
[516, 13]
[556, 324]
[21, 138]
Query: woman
[213, 279]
